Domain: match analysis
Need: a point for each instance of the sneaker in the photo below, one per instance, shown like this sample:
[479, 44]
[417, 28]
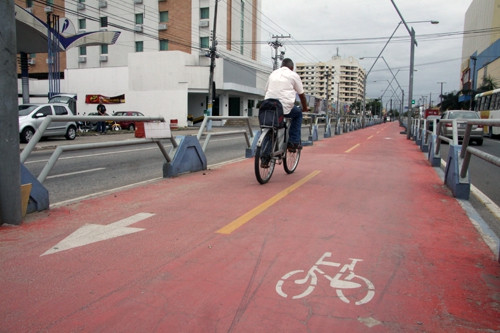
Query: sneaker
[264, 163]
[293, 147]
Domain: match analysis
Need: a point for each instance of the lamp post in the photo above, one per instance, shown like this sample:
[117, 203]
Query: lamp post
[412, 64]
[413, 42]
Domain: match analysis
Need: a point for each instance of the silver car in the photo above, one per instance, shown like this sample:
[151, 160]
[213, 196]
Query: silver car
[31, 117]
[462, 116]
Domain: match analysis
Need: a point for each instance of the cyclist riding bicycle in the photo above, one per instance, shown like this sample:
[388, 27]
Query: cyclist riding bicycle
[283, 84]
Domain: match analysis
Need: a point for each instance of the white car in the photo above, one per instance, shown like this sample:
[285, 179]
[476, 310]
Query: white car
[31, 117]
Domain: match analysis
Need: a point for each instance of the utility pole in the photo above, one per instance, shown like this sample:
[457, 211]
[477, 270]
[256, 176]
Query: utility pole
[275, 45]
[441, 96]
[10, 176]
[212, 54]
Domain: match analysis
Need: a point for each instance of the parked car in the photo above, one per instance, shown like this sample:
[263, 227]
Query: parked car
[462, 116]
[31, 117]
[128, 124]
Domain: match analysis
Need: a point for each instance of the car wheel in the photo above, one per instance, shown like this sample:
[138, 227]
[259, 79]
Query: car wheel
[27, 134]
[71, 133]
[131, 128]
[479, 142]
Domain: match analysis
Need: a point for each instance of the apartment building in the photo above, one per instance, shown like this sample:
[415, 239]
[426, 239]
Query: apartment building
[159, 62]
[338, 80]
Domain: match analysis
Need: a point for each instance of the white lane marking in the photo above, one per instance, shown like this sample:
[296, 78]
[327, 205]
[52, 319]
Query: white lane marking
[91, 233]
[74, 173]
[93, 155]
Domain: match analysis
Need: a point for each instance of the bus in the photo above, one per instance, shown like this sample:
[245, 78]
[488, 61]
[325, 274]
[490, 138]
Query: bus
[487, 104]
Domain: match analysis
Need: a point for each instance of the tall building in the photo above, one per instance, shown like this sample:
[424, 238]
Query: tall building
[159, 62]
[481, 51]
[338, 80]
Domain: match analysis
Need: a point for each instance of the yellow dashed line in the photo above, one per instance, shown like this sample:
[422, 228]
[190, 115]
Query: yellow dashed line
[352, 148]
[229, 228]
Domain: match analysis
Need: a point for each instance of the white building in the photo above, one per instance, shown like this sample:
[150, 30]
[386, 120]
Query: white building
[340, 80]
[481, 53]
[159, 61]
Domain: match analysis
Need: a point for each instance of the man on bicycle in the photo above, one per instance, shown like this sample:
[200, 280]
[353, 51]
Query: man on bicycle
[283, 84]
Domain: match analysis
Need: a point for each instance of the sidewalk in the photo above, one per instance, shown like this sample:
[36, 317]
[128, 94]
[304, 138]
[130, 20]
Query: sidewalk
[386, 247]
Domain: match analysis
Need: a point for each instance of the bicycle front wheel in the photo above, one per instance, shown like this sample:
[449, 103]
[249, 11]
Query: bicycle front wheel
[264, 164]
[291, 160]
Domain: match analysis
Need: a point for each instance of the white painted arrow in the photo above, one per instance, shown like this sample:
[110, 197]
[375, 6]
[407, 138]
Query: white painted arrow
[91, 233]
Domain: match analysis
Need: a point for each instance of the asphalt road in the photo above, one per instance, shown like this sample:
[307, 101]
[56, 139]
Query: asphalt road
[484, 175]
[84, 173]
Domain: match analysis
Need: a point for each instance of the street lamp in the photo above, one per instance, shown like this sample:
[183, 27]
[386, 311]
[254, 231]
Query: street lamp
[412, 64]
[413, 42]
[393, 78]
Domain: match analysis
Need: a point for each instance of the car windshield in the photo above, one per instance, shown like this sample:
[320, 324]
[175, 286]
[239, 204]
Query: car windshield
[463, 115]
[25, 110]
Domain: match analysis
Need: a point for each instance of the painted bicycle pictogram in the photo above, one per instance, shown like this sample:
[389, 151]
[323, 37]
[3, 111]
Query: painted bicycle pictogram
[345, 279]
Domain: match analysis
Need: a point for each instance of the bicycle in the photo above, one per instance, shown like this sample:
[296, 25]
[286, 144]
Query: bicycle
[340, 281]
[272, 148]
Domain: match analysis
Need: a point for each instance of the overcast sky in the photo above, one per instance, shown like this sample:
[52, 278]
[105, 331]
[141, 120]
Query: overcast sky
[320, 29]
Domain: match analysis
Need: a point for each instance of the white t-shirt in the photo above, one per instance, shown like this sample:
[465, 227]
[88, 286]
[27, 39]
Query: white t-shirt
[283, 84]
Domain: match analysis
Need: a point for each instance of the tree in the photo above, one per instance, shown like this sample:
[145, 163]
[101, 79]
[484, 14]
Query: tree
[488, 84]
[450, 102]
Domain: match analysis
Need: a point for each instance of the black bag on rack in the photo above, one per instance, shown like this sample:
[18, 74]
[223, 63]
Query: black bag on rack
[271, 113]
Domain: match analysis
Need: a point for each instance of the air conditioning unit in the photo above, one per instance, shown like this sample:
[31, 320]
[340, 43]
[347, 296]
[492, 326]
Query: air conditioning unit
[103, 4]
[31, 61]
[204, 23]
[82, 31]
[80, 6]
[82, 59]
[29, 9]
[48, 9]
[138, 28]
[103, 58]
[137, 2]
[162, 26]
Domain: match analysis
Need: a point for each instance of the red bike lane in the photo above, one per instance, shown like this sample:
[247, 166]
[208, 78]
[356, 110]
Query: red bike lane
[383, 244]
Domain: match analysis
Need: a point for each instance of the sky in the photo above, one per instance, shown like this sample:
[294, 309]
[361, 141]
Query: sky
[321, 29]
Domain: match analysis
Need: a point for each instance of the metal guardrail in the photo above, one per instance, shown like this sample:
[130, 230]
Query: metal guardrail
[208, 133]
[467, 151]
[60, 149]
[48, 120]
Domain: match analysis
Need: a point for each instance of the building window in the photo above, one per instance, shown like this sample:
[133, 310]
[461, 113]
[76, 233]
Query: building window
[83, 50]
[49, 2]
[164, 16]
[139, 18]
[81, 1]
[104, 21]
[163, 44]
[139, 46]
[29, 3]
[104, 49]
[204, 13]
[82, 24]
[204, 42]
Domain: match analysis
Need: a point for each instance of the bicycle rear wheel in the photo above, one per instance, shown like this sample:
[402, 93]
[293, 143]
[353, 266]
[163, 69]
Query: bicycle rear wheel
[264, 164]
[291, 160]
